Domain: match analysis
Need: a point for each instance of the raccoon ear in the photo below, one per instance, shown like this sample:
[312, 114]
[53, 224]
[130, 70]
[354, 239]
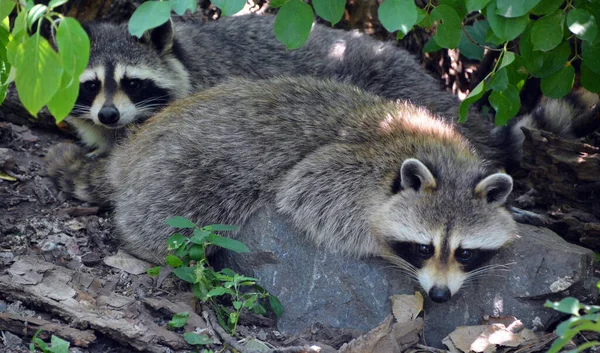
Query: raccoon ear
[160, 37]
[415, 175]
[495, 188]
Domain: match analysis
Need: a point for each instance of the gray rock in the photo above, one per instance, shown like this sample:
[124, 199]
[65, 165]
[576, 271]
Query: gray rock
[319, 286]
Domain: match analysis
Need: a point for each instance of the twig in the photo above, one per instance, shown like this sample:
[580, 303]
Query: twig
[29, 325]
[430, 349]
[212, 321]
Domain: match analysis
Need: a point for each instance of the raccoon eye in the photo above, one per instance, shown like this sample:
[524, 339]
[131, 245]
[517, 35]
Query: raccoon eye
[464, 255]
[425, 251]
[92, 86]
[133, 84]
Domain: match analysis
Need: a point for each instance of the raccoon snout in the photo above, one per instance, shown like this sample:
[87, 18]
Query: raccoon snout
[109, 115]
[439, 294]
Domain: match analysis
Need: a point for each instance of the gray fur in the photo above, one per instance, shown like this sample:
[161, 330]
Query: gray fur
[245, 46]
[325, 154]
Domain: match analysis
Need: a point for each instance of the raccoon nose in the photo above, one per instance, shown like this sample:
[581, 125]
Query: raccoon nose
[439, 294]
[108, 115]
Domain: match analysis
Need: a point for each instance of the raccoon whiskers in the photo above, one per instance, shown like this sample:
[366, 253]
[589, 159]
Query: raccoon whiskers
[489, 270]
[80, 109]
[402, 266]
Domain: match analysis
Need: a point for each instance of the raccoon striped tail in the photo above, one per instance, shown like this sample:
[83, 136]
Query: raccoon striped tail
[77, 174]
[574, 116]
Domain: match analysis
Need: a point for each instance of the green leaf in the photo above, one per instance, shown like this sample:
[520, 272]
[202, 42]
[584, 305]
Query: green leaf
[499, 81]
[64, 99]
[589, 79]
[175, 241]
[506, 103]
[449, 30]
[330, 10]
[148, 15]
[469, 49]
[215, 292]
[547, 32]
[229, 244]
[458, 6]
[397, 15]
[506, 29]
[181, 6]
[293, 23]
[277, 3]
[507, 59]
[512, 8]
[35, 13]
[56, 3]
[542, 64]
[199, 236]
[228, 272]
[275, 305]
[153, 271]
[185, 274]
[38, 73]
[583, 24]
[6, 7]
[558, 84]
[196, 252]
[180, 222]
[221, 227]
[179, 320]
[59, 345]
[517, 72]
[590, 54]
[229, 7]
[237, 305]
[73, 46]
[568, 305]
[473, 97]
[546, 6]
[476, 5]
[173, 261]
[196, 340]
[431, 46]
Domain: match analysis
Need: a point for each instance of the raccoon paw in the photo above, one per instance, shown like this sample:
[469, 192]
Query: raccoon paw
[528, 217]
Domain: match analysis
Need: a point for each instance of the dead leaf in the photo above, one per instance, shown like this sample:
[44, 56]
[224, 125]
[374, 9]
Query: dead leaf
[7, 177]
[407, 307]
[386, 338]
[485, 338]
[127, 263]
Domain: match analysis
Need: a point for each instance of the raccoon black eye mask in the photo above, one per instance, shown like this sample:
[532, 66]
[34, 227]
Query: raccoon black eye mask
[355, 173]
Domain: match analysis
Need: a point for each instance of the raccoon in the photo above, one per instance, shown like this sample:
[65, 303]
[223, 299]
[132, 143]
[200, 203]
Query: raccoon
[356, 173]
[130, 79]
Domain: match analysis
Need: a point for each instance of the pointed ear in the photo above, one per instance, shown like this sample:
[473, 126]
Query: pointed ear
[160, 37]
[415, 175]
[495, 188]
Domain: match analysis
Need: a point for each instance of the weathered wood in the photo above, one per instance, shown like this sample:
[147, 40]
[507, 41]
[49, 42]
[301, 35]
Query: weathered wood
[566, 176]
[28, 326]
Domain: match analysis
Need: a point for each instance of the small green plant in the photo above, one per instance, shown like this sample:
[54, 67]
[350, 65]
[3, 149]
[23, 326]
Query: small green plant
[585, 318]
[190, 264]
[57, 344]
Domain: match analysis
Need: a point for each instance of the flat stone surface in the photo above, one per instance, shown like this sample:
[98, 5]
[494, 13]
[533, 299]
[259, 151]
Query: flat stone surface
[319, 286]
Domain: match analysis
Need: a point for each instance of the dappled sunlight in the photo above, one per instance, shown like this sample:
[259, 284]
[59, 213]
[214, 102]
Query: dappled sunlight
[337, 50]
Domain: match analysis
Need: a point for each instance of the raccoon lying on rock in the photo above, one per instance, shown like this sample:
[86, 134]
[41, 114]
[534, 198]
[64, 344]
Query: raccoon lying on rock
[354, 172]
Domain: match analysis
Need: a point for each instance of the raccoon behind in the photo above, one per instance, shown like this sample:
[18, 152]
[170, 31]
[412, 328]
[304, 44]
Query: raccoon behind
[128, 80]
[356, 173]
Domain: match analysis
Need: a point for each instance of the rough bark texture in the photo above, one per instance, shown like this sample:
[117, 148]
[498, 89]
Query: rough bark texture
[565, 177]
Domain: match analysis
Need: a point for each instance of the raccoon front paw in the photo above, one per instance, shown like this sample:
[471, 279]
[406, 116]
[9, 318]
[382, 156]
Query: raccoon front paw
[528, 217]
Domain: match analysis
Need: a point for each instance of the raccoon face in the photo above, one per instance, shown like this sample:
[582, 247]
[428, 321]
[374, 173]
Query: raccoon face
[442, 231]
[129, 79]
